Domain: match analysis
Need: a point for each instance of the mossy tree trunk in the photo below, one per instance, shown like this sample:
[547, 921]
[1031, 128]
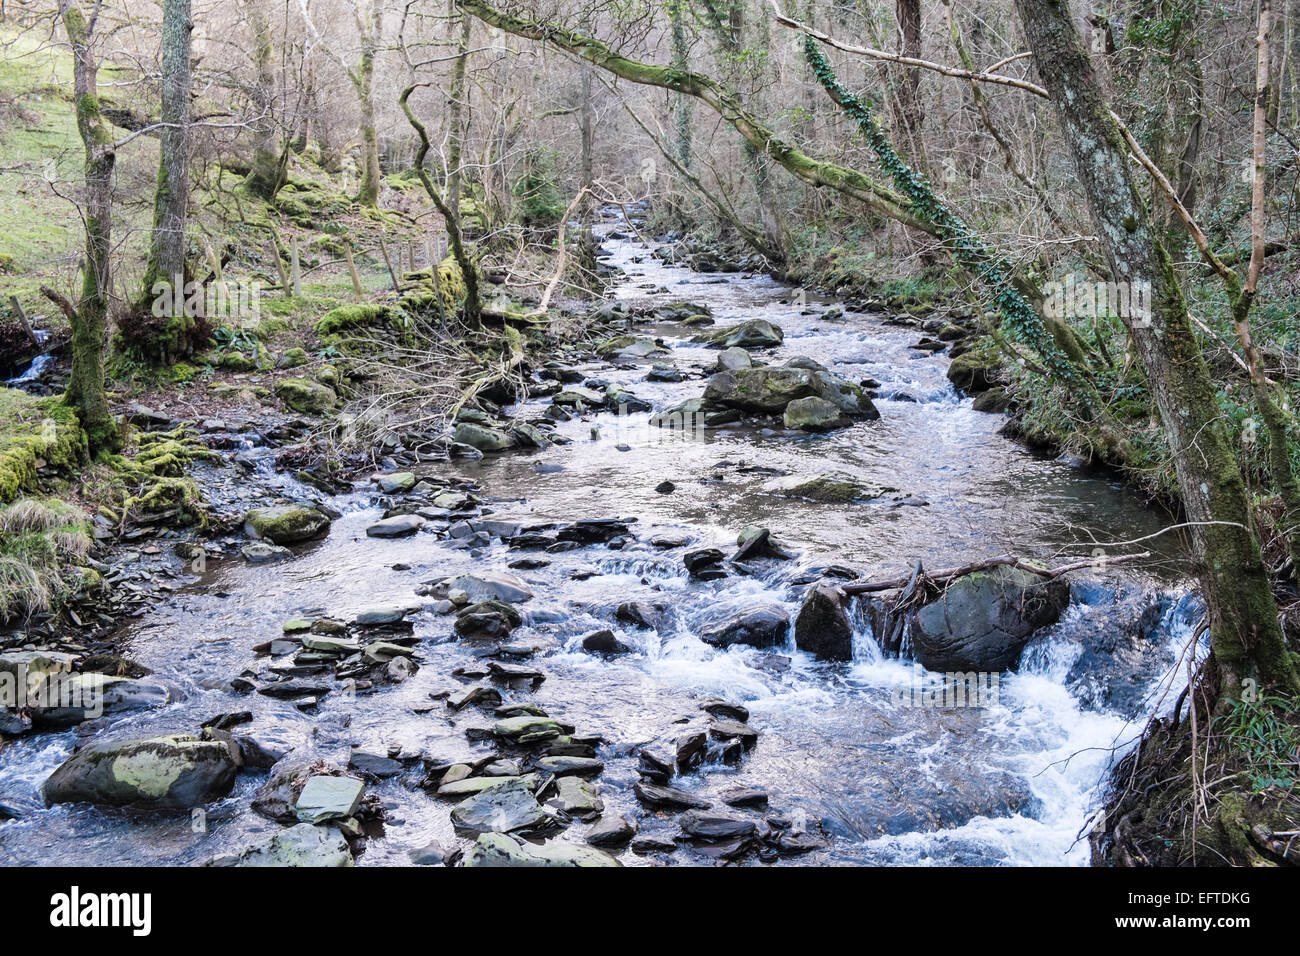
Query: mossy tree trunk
[456, 109]
[1246, 638]
[270, 159]
[369, 19]
[168, 244]
[89, 317]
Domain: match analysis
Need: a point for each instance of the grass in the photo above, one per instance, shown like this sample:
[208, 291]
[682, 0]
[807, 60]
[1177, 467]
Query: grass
[43, 544]
[38, 138]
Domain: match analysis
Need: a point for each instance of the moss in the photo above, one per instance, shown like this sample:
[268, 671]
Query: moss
[35, 432]
[346, 317]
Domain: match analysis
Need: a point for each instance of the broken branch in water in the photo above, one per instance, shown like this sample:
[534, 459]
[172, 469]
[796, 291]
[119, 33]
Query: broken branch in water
[947, 574]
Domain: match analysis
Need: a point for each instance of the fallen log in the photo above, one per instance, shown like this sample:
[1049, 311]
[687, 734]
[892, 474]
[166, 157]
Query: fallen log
[947, 574]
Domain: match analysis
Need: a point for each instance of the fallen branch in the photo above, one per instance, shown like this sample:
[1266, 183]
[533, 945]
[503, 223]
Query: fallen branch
[947, 574]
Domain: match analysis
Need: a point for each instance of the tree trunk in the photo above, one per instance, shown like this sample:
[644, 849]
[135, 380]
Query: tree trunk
[456, 117]
[269, 160]
[86, 392]
[363, 79]
[908, 101]
[168, 244]
[1246, 638]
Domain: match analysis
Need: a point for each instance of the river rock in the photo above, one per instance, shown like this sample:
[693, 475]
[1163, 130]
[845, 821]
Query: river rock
[485, 586]
[482, 437]
[568, 766]
[604, 642]
[175, 772]
[716, 825]
[329, 798]
[499, 850]
[73, 698]
[611, 830]
[813, 414]
[667, 798]
[983, 620]
[398, 526]
[762, 625]
[822, 626]
[576, 797]
[302, 845]
[382, 614]
[260, 552]
[286, 524]
[734, 360]
[831, 487]
[750, 334]
[396, 482]
[506, 805]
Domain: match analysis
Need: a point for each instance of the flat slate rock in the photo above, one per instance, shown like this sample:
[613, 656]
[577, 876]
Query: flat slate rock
[506, 806]
[667, 798]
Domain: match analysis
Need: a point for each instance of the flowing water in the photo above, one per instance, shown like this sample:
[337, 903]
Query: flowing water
[850, 745]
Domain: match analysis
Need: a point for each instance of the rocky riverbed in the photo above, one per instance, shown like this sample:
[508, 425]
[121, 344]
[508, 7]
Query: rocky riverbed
[601, 625]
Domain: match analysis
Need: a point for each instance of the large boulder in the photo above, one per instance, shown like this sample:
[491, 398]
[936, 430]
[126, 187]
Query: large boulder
[978, 369]
[822, 626]
[176, 772]
[286, 524]
[762, 625]
[984, 619]
[751, 334]
[769, 390]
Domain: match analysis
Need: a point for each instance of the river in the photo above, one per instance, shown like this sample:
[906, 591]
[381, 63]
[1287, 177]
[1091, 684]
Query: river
[842, 744]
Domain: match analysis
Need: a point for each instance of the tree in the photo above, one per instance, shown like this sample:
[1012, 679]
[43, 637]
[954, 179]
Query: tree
[270, 158]
[1246, 638]
[169, 244]
[89, 315]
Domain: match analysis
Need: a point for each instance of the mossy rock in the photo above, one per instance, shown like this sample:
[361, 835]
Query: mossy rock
[292, 358]
[978, 369]
[286, 524]
[348, 317]
[237, 362]
[176, 772]
[305, 396]
[34, 433]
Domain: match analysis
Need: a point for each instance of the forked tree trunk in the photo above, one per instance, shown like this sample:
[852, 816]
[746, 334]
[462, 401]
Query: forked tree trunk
[1247, 640]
